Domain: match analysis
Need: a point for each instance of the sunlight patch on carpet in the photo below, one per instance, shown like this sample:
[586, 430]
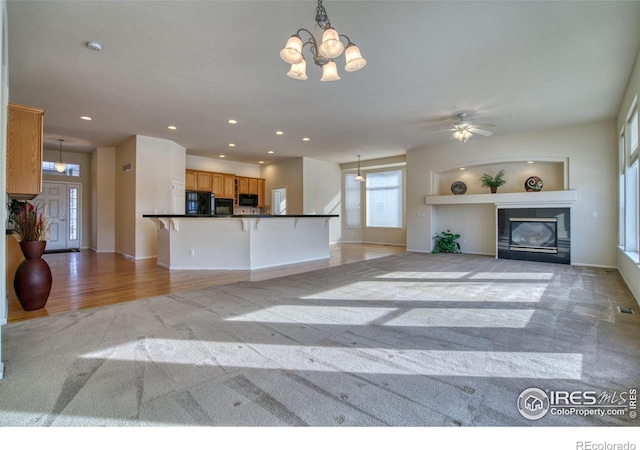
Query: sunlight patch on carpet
[361, 360]
[396, 317]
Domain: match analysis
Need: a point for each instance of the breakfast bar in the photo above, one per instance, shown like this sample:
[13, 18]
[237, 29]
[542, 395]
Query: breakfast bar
[239, 242]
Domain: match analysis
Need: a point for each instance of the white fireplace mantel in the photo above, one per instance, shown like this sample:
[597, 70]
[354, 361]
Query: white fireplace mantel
[508, 199]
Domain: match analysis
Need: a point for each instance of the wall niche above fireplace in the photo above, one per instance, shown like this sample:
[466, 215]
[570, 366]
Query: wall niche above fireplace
[552, 171]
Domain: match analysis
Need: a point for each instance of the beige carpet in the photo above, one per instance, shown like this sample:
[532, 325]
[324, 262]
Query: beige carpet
[404, 340]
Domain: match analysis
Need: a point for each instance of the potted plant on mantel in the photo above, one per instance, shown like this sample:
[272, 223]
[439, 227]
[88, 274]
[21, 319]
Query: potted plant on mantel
[33, 279]
[493, 182]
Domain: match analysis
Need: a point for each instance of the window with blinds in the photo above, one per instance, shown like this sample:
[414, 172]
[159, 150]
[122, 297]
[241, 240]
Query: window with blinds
[384, 199]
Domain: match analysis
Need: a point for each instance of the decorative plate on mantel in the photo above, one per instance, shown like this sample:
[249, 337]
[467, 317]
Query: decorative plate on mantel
[533, 184]
[458, 188]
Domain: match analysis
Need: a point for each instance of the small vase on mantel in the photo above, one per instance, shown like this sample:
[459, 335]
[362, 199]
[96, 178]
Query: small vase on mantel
[33, 279]
[494, 189]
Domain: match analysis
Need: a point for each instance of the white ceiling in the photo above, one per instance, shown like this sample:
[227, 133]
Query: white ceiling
[195, 64]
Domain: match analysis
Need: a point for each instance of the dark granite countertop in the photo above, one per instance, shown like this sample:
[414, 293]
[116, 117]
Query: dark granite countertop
[236, 216]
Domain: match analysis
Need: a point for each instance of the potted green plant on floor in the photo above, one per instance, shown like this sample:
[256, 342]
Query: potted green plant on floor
[446, 242]
[493, 182]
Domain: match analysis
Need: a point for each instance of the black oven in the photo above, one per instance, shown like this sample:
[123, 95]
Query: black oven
[248, 200]
[223, 206]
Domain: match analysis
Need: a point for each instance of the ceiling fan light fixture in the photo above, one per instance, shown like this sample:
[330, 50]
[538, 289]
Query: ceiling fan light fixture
[462, 135]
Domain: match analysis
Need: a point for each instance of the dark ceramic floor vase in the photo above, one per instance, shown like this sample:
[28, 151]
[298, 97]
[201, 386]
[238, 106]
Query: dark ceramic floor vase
[33, 279]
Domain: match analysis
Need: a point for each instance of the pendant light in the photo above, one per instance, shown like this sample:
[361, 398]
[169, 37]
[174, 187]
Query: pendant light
[61, 166]
[359, 177]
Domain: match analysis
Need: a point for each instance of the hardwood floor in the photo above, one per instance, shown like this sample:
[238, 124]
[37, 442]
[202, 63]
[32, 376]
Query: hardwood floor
[88, 279]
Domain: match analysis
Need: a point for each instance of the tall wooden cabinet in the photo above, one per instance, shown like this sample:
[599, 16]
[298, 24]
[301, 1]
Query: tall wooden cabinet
[24, 151]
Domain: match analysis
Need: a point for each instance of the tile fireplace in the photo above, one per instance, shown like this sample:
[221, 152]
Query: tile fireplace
[535, 234]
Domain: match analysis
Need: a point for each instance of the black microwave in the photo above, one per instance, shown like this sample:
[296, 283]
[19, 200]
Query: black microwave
[248, 200]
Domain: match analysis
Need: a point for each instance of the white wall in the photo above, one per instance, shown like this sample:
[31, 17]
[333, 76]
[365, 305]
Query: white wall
[629, 268]
[287, 173]
[125, 182]
[322, 192]
[145, 189]
[4, 100]
[103, 200]
[159, 162]
[591, 150]
[223, 166]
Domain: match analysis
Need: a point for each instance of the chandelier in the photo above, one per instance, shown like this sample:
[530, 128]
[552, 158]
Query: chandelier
[324, 54]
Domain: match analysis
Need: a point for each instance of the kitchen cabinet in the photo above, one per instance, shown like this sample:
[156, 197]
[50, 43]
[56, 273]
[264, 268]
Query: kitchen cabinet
[197, 180]
[246, 185]
[222, 184]
[261, 193]
[24, 151]
[190, 180]
[243, 185]
[253, 186]
[217, 183]
[228, 185]
[204, 181]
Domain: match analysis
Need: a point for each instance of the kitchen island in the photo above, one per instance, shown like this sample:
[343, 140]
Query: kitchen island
[239, 242]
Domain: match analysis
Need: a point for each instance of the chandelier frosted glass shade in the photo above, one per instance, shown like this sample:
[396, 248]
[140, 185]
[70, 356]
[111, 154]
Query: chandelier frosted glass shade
[331, 46]
[292, 51]
[61, 166]
[355, 61]
[330, 72]
[298, 71]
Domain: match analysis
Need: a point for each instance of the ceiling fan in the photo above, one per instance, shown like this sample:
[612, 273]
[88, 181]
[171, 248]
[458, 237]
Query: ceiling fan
[463, 129]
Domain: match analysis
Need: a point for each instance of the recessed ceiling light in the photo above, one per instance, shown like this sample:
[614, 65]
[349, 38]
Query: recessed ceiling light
[306, 139]
[529, 162]
[86, 118]
[95, 46]
[462, 168]
[260, 162]
[270, 152]
[222, 156]
[232, 145]
[172, 127]
[279, 133]
[232, 121]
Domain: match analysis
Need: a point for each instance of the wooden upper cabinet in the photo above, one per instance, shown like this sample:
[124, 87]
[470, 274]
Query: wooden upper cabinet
[243, 185]
[24, 151]
[261, 193]
[190, 180]
[253, 186]
[228, 186]
[196, 180]
[217, 183]
[204, 181]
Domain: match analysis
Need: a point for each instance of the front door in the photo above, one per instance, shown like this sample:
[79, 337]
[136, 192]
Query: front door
[62, 202]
